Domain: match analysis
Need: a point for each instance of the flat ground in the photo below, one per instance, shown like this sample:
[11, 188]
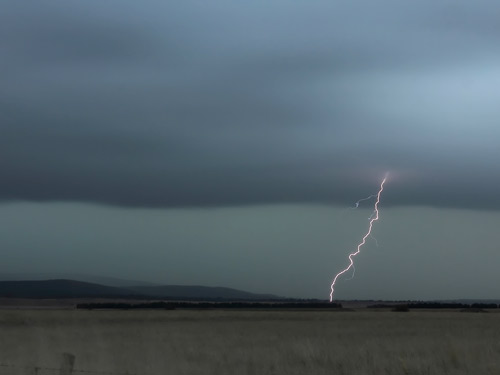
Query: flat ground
[251, 342]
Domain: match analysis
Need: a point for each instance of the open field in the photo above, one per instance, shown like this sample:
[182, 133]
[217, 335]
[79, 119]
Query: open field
[251, 342]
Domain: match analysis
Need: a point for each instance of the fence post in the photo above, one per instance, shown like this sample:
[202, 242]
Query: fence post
[68, 361]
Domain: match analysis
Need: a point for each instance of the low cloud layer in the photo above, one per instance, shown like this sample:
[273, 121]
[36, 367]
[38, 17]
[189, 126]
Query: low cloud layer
[223, 103]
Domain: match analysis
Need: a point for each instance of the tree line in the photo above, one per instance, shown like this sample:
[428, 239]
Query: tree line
[209, 305]
[438, 305]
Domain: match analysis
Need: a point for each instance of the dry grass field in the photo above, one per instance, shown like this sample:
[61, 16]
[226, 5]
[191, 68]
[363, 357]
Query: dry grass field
[251, 342]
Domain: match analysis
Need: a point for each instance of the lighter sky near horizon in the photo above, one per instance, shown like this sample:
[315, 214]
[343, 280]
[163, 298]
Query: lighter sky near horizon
[222, 143]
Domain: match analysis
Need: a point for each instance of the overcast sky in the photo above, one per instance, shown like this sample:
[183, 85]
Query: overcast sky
[220, 143]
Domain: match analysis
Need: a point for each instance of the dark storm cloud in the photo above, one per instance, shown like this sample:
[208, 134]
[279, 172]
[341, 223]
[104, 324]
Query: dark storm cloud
[225, 103]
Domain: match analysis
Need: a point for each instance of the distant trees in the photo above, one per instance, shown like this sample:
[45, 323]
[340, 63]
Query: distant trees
[401, 308]
[209, 305]
[434, 305]
[484, 306]
[126, 306]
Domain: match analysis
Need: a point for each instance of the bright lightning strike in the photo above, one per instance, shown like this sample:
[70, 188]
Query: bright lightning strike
[373, 218]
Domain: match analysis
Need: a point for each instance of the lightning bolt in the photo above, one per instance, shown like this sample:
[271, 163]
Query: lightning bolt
[373, 219]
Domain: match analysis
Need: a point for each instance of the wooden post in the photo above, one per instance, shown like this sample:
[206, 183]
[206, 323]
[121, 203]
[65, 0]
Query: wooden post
[68, 361]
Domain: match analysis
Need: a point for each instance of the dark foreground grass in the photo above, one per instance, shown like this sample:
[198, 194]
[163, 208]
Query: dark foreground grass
[252, 342]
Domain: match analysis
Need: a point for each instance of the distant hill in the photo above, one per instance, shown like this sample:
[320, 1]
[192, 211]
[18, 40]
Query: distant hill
[197, 292]
[102, 280]
[62, 288]
[58, 289]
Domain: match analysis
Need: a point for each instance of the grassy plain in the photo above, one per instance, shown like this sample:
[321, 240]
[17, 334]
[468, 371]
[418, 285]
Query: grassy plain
[251, 342]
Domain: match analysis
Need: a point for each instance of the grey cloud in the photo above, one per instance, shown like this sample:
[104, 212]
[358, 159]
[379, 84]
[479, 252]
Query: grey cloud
[164, 105]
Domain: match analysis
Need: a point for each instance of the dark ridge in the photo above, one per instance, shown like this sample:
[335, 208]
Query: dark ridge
[86, 278]
[63, 288]
[59, 289]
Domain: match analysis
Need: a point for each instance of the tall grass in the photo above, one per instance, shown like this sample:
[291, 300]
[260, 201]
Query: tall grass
[260, 342]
